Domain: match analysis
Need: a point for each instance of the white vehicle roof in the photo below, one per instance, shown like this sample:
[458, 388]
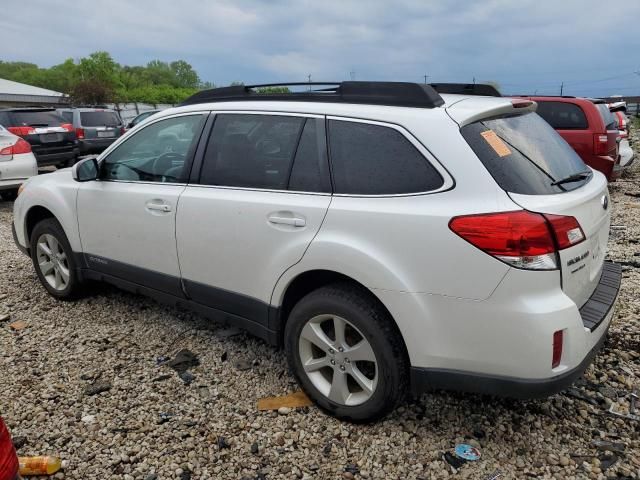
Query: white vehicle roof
[463, 109]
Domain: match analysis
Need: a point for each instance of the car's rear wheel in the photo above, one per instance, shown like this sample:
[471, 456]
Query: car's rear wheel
[347, 353]
[53, 260]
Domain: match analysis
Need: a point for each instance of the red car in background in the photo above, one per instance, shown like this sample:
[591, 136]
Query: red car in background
[9, 465]
[588, 126]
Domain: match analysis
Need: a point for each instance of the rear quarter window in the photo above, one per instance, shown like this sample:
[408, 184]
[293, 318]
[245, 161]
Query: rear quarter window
[524, 154]
[563, 116]
[372, 159]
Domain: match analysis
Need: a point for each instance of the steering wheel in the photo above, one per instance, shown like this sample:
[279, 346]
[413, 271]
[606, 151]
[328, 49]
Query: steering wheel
[164, 165]
[122, 171]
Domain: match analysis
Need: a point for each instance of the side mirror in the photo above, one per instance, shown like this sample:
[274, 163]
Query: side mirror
[86, 170]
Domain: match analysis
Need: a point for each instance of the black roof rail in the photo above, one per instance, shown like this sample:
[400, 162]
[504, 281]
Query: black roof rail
[482, 89]
[400, 94]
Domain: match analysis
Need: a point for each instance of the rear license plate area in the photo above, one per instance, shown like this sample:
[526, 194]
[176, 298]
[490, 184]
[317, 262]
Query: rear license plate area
[106, 134]
[49, 137]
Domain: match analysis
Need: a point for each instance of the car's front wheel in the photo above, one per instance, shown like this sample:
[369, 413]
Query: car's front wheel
[347, 353]
[53, 260]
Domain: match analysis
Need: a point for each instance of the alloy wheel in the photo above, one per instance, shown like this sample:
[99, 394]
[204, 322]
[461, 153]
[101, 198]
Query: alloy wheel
[52, 262]
[338, 360]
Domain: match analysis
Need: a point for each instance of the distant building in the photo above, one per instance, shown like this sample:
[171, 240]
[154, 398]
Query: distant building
[15, 94]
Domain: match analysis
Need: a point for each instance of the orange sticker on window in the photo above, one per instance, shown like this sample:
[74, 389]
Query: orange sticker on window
[496, 143]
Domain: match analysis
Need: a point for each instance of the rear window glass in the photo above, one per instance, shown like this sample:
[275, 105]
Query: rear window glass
[563, 116]
[524, 154]
[99, 119]
[46, 118]
[607, 116]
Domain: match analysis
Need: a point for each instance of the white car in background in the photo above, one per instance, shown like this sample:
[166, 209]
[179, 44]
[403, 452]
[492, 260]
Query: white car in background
[624, 148]
[17, 163]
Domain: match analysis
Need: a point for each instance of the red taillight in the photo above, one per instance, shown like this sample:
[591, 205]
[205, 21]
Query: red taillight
[67, 126]
[22, 131]
[600, 144]
[21, 146]
[558, 337]
[122, 130]
[8, 457]
[567, 230]
[80, 133]
[522, 239]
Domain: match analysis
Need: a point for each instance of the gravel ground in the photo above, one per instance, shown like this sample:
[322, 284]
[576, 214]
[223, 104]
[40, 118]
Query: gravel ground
[147, 423]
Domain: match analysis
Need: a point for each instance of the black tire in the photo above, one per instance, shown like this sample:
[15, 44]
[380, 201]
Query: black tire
[74, 287]
[9, 195]
[356, 305]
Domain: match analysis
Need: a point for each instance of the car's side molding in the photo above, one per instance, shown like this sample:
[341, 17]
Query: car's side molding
[217, 304]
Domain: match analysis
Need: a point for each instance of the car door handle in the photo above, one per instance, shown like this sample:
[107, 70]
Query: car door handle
[158, 207]
[283, 219]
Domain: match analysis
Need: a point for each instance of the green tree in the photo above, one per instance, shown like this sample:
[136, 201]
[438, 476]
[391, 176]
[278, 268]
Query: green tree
[99, 79]
[185, 75]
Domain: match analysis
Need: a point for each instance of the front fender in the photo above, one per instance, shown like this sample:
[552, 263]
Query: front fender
[57, 192]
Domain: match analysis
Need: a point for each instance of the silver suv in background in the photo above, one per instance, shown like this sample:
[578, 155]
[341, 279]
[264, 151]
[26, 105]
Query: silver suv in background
[96, 128]
[140, 118]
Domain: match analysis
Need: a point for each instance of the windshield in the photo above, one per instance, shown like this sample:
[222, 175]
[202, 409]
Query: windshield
[99, 119]
[525, 155]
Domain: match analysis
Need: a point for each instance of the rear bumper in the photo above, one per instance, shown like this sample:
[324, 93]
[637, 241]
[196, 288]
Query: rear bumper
[424, 379]
[503, 345]
[46, 159]
[11, 184]
[605, 164]
[95, 145]
[14, 172]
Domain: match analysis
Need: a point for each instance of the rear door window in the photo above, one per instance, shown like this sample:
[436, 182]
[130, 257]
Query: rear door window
[524, 154]
[370, 159]
[563, 116]
[310, 172]
[36, 118]
[99, 119]
[252, 151]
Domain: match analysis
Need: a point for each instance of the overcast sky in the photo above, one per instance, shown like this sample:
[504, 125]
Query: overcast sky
[524, 45]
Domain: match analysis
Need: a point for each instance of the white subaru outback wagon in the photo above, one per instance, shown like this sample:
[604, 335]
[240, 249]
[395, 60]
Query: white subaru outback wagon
[390, 237]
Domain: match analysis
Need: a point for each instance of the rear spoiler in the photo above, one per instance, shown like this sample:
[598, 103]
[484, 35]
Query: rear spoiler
[483, 89]
[473, 110]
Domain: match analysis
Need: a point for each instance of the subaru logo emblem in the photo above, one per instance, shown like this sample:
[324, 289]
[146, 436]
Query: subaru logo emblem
[605, 202]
